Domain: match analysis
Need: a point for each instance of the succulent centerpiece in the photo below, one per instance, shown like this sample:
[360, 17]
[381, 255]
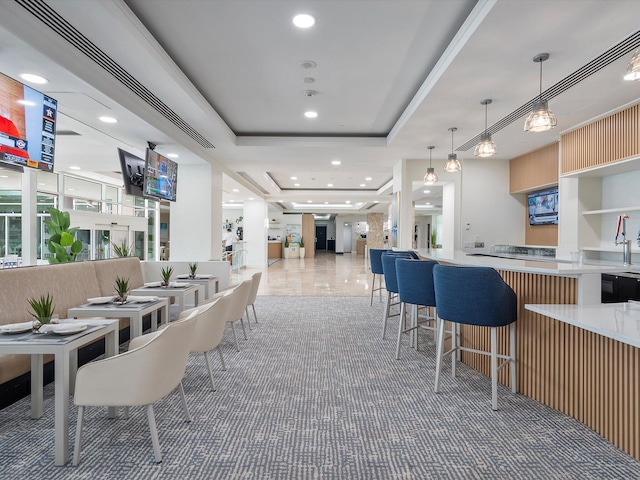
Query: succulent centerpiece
[193, 268]
[166, 275]
[122, 290]
[42, 309]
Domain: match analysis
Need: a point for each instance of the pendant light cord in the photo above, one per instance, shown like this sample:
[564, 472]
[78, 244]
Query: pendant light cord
[485, 118]
[540, 96]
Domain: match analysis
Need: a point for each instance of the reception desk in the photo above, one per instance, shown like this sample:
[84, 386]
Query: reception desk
[592, 377]
[274, 249]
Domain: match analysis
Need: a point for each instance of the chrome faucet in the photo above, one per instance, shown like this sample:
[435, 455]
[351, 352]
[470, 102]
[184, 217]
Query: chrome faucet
[626, 244]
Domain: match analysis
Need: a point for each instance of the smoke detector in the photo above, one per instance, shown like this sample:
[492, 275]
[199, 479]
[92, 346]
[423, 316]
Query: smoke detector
[310, 93]
[306, 64]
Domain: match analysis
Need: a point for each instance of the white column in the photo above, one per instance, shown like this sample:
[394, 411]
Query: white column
[255, 231]
[402, 183]
[196, 216]
[29, 217]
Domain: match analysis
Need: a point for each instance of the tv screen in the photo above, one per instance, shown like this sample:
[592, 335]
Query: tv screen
[27, 125]
[160, 176]
[132, 172]
[543, 207]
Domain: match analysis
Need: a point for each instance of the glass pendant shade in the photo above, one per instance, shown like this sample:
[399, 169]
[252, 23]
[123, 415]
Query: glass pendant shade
[633, 69]
[486, 147]
[452, 165]
[430, 178]
[541, 118]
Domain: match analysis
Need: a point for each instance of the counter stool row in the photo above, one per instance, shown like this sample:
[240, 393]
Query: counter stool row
[475, 296]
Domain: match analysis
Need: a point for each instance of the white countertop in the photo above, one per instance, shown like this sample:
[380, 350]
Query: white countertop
[620, 321]
[551, 267]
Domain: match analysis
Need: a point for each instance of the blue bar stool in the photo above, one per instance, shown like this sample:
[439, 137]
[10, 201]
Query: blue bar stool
[389, 271]
[415, 288]
[375, 255]
[476, 296]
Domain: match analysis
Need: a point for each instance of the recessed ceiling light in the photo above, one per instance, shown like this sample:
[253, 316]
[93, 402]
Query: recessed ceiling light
[329, 184]
[311, 114]
[235, 190]
[296, 184]
[172, 155]
[326, 203]
[368, 179]
[427, 191]
[73, 167]
[4, 176]
[428, 203]
[281, 200]
[376, 201]
[108, 119]
[335, 162]
[304, 20]
[251, 198]
[70, 189]
[41, 184]
[30, 77]
[363, 184]
[348, 201]
[309, 201]
[294, 178]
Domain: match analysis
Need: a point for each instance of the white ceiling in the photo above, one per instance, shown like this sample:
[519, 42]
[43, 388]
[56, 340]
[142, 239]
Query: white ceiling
[391, 77]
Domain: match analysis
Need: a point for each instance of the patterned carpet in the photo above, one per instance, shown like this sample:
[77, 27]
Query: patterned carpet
[316, 394]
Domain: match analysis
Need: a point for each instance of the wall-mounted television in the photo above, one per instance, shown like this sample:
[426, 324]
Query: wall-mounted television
[132, 172]
[160, 176]
[27, 126]
[543, 207]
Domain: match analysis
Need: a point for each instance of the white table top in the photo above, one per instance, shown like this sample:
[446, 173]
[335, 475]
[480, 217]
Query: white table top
[620, 321]
[565, 269]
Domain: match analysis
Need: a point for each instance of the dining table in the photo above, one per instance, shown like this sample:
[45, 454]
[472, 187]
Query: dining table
[63, 343]
[209, 282]
[179, 290]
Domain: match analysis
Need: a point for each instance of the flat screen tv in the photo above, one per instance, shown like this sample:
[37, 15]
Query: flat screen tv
[27, 126]
[543, 207]
[132, 172]
[160, 176]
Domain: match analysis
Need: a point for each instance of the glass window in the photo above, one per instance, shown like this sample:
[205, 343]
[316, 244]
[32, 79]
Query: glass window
[10, 179]
[111, 200]
[76, 187]
[45, 201]
[47, 181]
[86, 205]
[151, 229]
[15, 236]
[3, 235]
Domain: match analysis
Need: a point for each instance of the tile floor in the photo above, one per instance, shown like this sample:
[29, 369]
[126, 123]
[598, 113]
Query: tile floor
[326, 274]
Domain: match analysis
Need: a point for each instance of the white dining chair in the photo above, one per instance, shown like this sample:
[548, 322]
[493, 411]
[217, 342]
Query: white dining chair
[143, 375]
[253, 293]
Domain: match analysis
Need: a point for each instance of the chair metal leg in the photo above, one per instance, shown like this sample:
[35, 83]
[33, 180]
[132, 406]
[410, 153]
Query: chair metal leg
[185, 407]
[385, 316]
[206, 359]
[439, 349]
[373, 287]
[224, 367]
[254, 312]
[403, 308]
[154, 434]
[455, 351]
[244, 332]
[235, 335]
[76, 450]
[512, 354]
[414, 326]
[246, 311]
[494, 368]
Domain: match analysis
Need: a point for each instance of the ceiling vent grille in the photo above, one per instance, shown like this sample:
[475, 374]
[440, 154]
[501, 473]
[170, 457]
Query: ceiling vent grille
[601, 61]
[58, 24]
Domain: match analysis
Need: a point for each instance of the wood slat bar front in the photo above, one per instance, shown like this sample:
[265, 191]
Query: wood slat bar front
[590, 377]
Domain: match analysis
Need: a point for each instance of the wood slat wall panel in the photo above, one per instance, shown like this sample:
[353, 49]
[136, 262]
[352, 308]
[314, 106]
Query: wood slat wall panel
[592, 378]
[606, 140]
[534, 170]
[309, 234]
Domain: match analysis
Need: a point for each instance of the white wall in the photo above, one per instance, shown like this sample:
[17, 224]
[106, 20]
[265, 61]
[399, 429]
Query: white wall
[255, 232]
[618, 191]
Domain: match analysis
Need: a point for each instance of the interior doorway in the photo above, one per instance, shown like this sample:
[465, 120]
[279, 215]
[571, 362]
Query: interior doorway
[321, 237]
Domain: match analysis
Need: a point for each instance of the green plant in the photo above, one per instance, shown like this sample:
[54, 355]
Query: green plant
[301, 243]
[433, 238]
[122, 289]
[286, 243]
[122, 250]
[193, 267]
[61, 242]
[42, 308]
[166, 275]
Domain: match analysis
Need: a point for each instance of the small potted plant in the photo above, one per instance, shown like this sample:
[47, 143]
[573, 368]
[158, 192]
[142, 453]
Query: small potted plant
[193, 267]
[122, 250]
[42, 310]
[122, 290]
[302, 250]
[166, 276]
[286, 247]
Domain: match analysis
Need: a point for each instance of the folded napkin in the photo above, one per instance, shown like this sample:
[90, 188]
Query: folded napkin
[141, 299]
[178, 284]
[17, 327]
[153, 284]
[98, 300]
[204, 276]
[183, 276]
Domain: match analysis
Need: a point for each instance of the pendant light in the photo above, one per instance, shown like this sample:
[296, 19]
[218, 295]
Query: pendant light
[486, 147]
[452, 165]
[430, 178]
[541, 118]
[633, 69]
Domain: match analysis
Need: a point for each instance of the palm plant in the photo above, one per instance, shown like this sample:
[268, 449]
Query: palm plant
[166, 275]
[42, 308]
[193, 267]
[122, 289]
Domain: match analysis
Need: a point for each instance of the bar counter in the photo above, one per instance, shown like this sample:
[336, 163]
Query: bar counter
[592, 377]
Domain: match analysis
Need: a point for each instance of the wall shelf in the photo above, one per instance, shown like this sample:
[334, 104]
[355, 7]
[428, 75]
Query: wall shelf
[611, 210]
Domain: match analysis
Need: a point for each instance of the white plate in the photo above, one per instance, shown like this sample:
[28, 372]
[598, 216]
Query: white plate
[99, 300]
[69, 329]
[16, 327]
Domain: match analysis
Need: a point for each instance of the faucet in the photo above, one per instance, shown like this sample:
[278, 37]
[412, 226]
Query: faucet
[626, 244]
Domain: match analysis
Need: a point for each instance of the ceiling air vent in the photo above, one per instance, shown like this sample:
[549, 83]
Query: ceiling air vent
[48, 16]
